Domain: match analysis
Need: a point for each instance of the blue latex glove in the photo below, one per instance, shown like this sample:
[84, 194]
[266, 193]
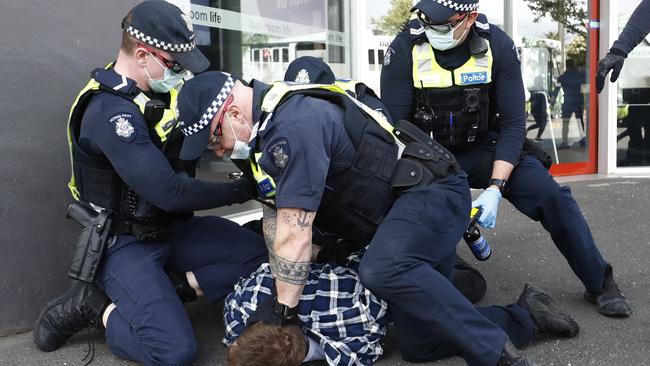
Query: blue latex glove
[489, 202]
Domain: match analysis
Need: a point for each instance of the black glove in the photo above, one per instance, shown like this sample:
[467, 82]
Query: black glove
[246, 189]
[611, 61]
[274, 313]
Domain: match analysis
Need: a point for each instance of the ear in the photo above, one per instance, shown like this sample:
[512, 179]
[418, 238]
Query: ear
[235, 112]
[471, 19]
[140, 55]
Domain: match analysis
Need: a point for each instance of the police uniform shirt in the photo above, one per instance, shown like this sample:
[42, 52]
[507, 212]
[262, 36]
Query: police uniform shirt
[303, 143]
[506, 92]
[113, 127]
[636, 29]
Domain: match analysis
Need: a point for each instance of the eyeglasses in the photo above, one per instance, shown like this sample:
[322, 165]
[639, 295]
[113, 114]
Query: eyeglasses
[172, 65]
[426, 22]
[214, 138]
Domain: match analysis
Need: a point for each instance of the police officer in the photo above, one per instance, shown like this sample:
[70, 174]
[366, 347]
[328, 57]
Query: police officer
[636, 29]
[311, 70]
[452, 73]
[124, 147]
[325, 152]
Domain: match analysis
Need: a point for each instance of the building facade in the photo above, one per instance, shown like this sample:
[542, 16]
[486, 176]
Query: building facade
[49, 49]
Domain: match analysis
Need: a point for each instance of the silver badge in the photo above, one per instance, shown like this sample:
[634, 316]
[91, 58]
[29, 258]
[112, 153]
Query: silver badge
[281, 158]
[303, 77]
[188, 21]
[123, 128]
[388, 56]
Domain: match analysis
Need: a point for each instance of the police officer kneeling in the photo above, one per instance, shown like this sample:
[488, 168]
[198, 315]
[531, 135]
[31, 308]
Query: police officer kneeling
[452, 73]
[311, 70]
[124, 147]
[334, 163]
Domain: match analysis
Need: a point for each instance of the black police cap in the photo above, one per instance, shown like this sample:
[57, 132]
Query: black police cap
[198, 102]
[164, 26]
[309, 70]
[441, 10]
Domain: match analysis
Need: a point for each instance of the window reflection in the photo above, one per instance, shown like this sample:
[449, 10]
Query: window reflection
[555, 68]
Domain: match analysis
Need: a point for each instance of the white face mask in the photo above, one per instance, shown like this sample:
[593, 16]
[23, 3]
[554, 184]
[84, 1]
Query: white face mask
[444, 41]
[241, 150]
[169, 81]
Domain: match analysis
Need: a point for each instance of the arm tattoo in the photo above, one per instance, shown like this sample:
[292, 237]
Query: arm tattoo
[304, 219]
[295, 273]
[269, 226]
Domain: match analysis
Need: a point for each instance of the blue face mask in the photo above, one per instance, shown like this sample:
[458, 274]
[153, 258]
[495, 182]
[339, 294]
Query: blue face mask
[444, 41]
[241, 150]
[169, 81]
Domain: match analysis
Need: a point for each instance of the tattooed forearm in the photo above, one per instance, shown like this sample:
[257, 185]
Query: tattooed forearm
[295, 273]
[269, 225]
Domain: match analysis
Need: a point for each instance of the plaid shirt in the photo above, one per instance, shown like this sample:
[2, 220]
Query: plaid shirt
[335, 310]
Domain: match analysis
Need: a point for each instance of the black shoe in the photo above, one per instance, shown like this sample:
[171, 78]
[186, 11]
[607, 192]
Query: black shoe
[510, 356]
[611, 301]
[548, 319]
[80, 307]
[468, 281]
[182, 287]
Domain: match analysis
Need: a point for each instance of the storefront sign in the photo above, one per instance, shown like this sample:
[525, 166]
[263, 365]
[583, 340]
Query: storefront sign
[226, 19]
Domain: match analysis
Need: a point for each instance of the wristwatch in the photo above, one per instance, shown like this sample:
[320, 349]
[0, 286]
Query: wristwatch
[501, 183]
[283, 311]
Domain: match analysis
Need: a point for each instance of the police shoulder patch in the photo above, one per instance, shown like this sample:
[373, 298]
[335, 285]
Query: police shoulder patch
[388, 56]
[123, 127]
[280, 152]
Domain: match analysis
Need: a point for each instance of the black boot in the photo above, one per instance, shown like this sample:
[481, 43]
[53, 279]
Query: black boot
[80, 307]
[182, 287]
[611, 301]
[548, 319]
[510, 356]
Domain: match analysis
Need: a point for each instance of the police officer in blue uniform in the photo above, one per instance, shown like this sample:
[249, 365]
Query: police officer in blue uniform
[311, 70]
[636, 29]
[124, 149]
[333, 163]
[458, 77]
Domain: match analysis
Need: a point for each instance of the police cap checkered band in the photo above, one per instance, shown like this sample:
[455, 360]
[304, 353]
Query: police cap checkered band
[439, 11]
[459, 7]
[212, 109]
[161, 45]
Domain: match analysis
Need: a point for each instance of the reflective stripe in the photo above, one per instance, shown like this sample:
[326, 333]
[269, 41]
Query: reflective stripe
[427, 73]
[265, 184]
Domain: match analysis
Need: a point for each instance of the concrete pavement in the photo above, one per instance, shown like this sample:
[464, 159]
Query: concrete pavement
[617, 211]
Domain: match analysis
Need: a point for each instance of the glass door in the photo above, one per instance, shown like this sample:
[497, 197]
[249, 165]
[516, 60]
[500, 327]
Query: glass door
[559, 48]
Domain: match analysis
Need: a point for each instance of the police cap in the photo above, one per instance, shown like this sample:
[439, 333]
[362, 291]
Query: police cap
[164, 26]
[198, 102]
[441, 10]
[309, 70]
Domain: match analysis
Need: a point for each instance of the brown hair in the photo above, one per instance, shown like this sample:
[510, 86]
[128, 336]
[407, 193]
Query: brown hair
[263, 344]
[128, 42]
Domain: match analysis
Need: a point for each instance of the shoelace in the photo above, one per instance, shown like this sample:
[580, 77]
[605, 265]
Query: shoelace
[91, 347]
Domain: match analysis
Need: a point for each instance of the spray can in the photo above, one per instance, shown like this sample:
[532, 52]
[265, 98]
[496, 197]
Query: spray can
[476, 242]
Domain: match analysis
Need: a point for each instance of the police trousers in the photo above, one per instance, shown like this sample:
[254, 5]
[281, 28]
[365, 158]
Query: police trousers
[534, 192]
[409, 263]
[149, 324]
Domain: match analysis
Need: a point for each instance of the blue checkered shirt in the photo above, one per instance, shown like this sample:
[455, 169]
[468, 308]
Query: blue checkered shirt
[335, 310]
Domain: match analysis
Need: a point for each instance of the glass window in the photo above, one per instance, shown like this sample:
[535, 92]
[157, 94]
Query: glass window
[555, 68]
[380, 56]
[258, 38]
[633, 135]
[371, 57]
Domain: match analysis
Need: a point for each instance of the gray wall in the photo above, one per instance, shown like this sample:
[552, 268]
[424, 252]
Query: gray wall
[47, 50]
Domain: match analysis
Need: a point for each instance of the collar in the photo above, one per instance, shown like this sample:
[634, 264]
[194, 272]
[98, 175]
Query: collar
[111, 79]
[259, 91]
